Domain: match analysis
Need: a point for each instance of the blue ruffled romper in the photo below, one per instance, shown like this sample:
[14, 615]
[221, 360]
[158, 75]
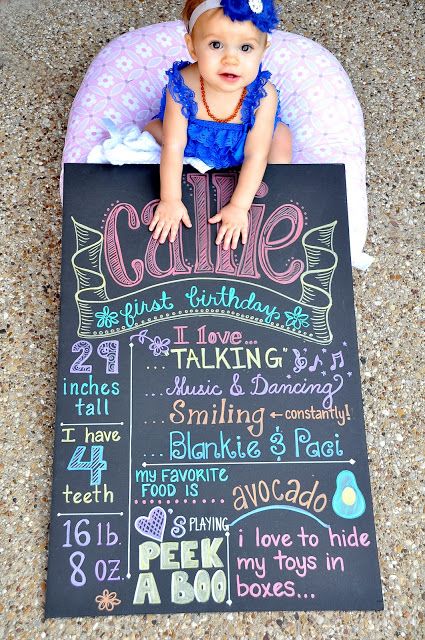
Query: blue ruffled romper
[218, 144]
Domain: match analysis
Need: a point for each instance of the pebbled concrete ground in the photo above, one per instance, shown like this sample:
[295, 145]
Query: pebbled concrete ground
[45, 49]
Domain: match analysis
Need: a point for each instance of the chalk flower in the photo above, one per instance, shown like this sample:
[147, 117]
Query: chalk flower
[296, 318]
[159, 346]
[107, 600]
[141, 336]
[106, 318]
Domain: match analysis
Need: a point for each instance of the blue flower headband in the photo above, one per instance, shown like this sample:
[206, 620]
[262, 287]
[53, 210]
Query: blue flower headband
[260, 12]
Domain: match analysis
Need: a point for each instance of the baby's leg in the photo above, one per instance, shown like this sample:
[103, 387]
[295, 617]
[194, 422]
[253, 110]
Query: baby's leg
[281, 149]
[154, 127]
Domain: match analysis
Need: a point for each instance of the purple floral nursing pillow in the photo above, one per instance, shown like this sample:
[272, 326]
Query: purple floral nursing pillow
[125, 81]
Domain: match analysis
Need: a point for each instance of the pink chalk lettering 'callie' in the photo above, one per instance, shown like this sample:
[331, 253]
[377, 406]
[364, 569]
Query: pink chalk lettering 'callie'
[256, 253]
[113, 253]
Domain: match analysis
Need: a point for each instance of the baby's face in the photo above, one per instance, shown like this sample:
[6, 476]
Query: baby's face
[228, 52]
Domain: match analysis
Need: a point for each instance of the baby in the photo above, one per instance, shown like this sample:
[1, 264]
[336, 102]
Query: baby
[222, 109]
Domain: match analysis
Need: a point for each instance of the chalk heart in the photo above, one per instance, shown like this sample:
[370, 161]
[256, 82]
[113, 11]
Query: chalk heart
[153, 525]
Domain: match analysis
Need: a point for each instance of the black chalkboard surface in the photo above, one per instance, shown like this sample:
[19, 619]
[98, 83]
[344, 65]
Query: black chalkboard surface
[210, 450]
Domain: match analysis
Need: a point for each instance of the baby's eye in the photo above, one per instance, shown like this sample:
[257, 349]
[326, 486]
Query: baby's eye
[215, 44]
[246, 47]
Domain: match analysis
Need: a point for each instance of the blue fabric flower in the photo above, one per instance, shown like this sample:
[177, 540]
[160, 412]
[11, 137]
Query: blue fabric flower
[261, 12]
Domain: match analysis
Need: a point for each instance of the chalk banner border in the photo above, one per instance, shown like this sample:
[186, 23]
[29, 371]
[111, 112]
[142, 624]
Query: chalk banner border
[313, 306]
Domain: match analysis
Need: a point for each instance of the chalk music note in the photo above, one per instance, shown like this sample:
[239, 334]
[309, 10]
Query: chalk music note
[337, 357]
[300, 361]
[313, 366]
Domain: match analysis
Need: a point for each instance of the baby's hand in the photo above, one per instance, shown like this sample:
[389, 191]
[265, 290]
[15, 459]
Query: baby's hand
[234, 223]
[166, 220]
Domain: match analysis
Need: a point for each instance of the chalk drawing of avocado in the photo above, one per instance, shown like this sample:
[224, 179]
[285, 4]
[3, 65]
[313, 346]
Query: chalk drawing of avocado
[348, 501]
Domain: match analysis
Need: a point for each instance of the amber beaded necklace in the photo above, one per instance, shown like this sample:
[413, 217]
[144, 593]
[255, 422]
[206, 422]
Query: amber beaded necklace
[232, 116]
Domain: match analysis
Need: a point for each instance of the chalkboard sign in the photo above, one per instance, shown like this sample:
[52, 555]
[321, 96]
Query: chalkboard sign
[210, 451]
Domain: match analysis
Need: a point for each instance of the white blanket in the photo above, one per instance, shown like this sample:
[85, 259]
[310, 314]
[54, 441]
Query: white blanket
[129, 145]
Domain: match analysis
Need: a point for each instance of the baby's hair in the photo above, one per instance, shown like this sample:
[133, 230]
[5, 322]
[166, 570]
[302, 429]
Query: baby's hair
[189, 8]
